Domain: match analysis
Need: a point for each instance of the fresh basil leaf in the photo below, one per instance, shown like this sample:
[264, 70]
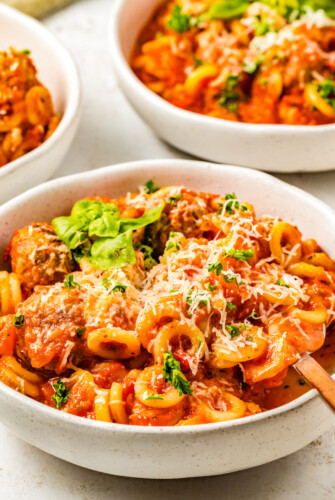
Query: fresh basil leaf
[148, 218]
[228, 9]
[105, 226]
[71, 230]
[326, 5]
[90, 210]
[107, 253]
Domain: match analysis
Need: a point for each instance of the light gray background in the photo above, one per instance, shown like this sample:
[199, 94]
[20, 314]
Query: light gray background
[111, 132]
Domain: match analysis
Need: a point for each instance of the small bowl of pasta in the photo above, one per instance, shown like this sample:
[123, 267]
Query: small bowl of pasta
[242, 82]
[151, 314]
[40, 100]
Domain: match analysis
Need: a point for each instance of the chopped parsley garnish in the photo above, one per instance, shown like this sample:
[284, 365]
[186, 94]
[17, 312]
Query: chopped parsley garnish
[113, 286]
[26, 52]
[199, 339]
[197, 62]
[281, 282]
[215, 266]
[264, 81]
[18, 320]
[178, 21]
[253, 315]
[69, 282]
[173, 200]
[172, 243]
[229, 97]
[230, 306]
[80, 331]
[251, 67]
[233, 330]
[149, 261]
[173, 290]
[195, 298]
[249, 338]
[261, 25]
[61, 395]
[232, 205]
[326, 89]
[239, 254]
[154, 396]
[231, 277]
[173, 375]
[210, 287]
[150, 187]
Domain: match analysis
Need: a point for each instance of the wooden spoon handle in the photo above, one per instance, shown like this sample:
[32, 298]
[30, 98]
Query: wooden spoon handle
[317, 377]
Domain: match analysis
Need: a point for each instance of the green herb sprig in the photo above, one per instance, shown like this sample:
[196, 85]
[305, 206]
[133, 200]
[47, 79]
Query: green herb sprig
[95, 230]
[61, 395]
[173, 375]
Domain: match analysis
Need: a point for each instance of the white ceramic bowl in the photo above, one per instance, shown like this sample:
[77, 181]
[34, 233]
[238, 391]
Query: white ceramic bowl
[169, 452]
[57, 71]
[275, 148]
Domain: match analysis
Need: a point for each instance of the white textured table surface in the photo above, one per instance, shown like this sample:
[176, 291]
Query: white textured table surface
[111, 132]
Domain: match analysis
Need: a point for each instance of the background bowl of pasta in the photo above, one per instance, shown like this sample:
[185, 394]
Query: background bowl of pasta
[174, 451]
[262, 145]
[56, 71]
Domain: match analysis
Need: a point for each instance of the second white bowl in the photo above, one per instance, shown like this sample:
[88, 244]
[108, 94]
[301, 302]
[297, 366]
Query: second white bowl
[275, 148]
[57, 71]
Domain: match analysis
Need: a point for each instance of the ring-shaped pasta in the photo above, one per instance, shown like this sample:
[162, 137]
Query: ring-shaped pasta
[17, 377]
[12, 121]
[117, 406]
[179, 329]
[198, 76]
[150, 317]
[306, 270]
[217, 362]
[280, 295]
[10, 292]
[314, 99]
[240, 354]
[309, 246]
[12, 363]
[101, 405]
[320, 259]
[278, 356]
[158, 44]
[148, 396]
[39, 105]
[114, 343]
[236, 408]
[291, 236]
[197, 419]
[318, 315]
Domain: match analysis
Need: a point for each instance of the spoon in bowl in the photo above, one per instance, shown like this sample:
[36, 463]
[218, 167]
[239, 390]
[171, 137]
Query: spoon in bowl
[317, 377]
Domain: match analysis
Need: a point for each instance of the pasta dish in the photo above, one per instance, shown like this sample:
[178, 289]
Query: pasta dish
[269, 62]
[164, 307]
[27, 117]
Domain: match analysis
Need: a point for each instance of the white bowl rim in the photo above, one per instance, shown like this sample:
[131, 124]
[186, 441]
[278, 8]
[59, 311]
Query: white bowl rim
[133, 429]
[75, 94]
[183, 114]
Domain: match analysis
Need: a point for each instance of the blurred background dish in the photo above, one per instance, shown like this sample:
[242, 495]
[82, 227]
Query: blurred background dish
[57, 72]
[272, 147]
